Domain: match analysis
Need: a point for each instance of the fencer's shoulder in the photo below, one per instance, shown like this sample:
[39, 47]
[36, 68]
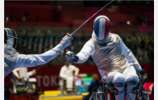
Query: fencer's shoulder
[90, 41]
[115, 37]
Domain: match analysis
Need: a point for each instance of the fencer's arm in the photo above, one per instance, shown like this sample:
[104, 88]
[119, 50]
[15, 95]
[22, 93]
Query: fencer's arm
[40, 59]
[37, 59]
[130, 56]
[87, 50]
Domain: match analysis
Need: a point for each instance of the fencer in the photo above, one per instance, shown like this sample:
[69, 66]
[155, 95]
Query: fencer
[114, 60]
[13, 59]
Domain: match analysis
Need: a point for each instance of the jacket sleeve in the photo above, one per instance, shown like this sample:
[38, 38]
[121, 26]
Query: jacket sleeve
[130, 56]
[38, 59]
[87, 50]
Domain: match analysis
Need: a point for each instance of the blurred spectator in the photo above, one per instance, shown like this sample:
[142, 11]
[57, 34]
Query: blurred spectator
[24, 82]
[67, 75]
[23, 74]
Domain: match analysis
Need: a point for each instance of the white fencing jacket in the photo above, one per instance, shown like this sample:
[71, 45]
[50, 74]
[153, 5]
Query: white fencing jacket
[114, 56]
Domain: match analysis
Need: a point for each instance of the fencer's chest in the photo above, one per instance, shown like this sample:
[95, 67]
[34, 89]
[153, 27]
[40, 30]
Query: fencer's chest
[107, 51]
[108, 55]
